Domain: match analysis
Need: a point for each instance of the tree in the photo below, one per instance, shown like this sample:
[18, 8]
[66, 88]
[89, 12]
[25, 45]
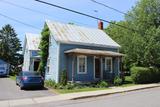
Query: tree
[10, 46]
[141, 45]
[44, 45]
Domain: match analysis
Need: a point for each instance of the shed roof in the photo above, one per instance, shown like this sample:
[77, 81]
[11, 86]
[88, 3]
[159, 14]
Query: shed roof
[67, 33]
[93, 52]
[33, 41]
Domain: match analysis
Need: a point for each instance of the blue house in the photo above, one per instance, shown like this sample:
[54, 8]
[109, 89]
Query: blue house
[4, 68]
[87, 54]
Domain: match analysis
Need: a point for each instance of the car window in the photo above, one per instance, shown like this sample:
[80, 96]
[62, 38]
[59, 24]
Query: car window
[31, 73]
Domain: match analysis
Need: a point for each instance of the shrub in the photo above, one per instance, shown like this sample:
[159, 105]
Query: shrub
[155, 74]
[102, 84]
[128, 80]
[141, 75]
[63, 79]
[70, 86]
[50, 83]
[118, 81]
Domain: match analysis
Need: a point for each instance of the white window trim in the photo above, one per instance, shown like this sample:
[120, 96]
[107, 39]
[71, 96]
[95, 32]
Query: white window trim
[81, 56]
[111, 63]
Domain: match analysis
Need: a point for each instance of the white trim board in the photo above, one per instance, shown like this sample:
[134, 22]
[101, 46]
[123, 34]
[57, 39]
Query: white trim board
[81, 56]
[111, 63]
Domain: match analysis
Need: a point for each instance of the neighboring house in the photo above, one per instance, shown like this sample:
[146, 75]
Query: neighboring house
[30, 51]
[4, 68]
[87, 54]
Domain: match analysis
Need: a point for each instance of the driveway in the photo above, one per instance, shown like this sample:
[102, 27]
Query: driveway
[9, 91]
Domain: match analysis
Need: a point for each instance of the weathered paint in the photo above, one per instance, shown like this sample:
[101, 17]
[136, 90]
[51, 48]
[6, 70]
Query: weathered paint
[66, 62]
[53, 61]
[73, 34]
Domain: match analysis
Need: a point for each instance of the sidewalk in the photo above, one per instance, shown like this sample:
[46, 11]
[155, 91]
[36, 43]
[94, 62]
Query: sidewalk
[74, 96]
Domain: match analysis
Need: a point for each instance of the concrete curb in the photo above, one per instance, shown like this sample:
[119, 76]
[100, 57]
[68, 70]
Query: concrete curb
[99, 95]
[75, 96]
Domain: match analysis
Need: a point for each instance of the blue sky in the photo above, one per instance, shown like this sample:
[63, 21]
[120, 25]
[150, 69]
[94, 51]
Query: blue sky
[37, 19]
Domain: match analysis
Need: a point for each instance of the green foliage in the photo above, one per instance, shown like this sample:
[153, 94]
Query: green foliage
[50, 83]
[70, 86]
[44, 45]
[155, 74]
[142, 47]
[63, 78]
[10, 47]
[128, 80]
[142, 75]
[102, 84]
[118, 81]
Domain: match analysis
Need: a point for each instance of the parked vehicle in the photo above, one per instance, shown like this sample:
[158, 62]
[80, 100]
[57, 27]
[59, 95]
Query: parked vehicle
[28, 79]
[3, 70]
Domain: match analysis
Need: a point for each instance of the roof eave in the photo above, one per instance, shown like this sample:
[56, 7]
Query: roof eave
[88, 44]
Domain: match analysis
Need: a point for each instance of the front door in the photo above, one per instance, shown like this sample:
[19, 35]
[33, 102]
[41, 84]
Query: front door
[97, 68]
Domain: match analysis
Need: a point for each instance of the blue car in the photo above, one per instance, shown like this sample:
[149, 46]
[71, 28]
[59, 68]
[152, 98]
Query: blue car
[28, 79]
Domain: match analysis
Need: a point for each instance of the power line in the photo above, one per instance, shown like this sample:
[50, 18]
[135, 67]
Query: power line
[33, 10]
[15, 20]
[26, 8]
[102, 4]
[84, 14]
[109, 7]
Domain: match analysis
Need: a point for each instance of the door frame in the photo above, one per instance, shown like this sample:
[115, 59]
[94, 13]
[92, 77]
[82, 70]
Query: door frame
[101, 67]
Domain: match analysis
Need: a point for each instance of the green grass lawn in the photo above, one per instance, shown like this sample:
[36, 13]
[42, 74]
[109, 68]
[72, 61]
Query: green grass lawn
[65, 91]
[12, 77]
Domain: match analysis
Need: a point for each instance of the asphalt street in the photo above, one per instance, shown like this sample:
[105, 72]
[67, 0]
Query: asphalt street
[9, 91]
[141, 98]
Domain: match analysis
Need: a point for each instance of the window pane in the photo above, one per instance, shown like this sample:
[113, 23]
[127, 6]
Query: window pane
[109, 64]
[82, 64]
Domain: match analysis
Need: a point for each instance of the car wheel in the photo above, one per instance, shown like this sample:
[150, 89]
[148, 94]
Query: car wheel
[21, 87]
[16, 83]
[42, 87]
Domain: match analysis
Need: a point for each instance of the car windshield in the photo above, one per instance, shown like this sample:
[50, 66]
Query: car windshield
[31, 73]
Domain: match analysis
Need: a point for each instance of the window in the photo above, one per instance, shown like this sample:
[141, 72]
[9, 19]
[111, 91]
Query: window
[82, 64]
[108, 64]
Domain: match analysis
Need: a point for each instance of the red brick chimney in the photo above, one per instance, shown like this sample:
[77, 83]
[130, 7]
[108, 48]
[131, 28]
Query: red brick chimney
[100, 25]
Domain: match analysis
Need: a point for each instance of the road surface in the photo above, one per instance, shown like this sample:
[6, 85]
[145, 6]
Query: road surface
[141, 98]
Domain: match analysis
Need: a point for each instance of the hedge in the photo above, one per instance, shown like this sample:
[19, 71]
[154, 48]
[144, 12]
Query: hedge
[142, 75]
